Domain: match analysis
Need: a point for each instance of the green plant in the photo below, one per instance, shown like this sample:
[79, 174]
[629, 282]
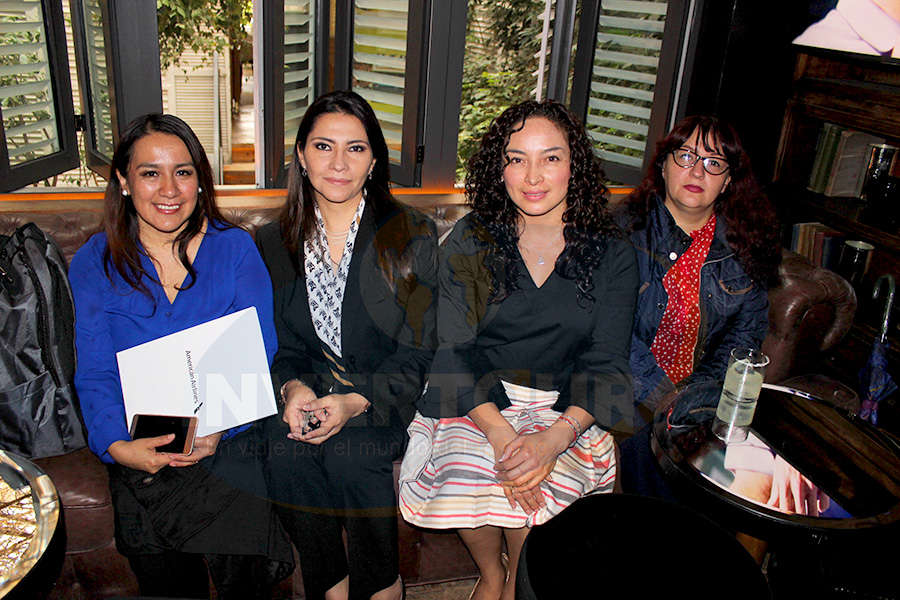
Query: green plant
[203, 26]
[502, 39]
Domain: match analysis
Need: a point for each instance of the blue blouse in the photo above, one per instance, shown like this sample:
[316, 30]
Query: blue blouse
[111, 316]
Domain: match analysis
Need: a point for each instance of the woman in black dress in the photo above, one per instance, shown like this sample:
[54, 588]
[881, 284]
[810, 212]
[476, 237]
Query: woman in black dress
[537, 292]
[353, 275]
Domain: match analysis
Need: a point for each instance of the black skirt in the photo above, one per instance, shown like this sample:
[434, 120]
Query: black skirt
[218, 506]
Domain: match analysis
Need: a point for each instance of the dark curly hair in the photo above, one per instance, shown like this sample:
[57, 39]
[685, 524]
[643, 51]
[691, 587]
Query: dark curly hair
[752, 227]
[588, 222]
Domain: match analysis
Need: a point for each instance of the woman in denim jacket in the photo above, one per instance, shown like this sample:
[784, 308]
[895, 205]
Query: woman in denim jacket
[706, 240]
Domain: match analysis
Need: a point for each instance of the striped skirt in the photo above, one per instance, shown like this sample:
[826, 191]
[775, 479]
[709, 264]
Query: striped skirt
[447, 479]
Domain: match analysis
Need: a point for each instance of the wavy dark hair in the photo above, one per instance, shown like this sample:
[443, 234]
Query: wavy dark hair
[120, 219]
[298, 220]
[752, 227]
[587, 220]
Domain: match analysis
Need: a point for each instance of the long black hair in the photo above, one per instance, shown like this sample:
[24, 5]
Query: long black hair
[587, 221]
[120, 220]
[298, 221]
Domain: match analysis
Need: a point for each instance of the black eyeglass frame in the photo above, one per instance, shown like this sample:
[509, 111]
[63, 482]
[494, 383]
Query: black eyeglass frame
[697, 157]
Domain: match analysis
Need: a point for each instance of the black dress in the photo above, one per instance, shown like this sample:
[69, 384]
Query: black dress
[534, 353]
[544, 338]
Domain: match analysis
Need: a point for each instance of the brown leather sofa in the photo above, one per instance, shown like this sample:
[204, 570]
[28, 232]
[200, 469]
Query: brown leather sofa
[810, 311]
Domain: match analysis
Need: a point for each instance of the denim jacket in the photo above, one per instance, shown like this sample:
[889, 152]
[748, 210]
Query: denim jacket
[733, 308]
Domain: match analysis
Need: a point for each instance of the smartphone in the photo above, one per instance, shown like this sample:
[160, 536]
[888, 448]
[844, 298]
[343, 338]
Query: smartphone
[184, 428]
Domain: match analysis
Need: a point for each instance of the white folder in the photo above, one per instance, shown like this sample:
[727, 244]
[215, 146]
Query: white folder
[217, 371]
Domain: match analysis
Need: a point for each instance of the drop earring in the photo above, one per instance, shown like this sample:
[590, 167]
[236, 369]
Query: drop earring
[303, 171]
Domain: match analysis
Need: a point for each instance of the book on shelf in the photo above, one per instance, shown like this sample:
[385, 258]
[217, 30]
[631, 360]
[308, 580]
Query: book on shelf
[817, 242]
[800, 237]
[849, 165]
[829, 137]
[831, 251]
[817, 160]
[822, 236]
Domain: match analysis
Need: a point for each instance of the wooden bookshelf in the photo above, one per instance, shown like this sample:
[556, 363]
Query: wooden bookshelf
[855, 92]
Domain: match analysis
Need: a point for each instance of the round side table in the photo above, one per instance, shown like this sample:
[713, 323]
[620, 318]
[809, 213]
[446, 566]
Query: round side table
[23, 476]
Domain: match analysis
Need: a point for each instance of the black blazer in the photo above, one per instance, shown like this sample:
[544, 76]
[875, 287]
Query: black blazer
[388, 336]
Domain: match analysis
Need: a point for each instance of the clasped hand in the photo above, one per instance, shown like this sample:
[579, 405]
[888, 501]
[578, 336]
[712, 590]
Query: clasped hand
[141, 454]
[333, 411]
[526, 461]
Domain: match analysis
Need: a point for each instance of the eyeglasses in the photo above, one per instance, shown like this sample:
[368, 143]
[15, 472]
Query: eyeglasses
[711, 164]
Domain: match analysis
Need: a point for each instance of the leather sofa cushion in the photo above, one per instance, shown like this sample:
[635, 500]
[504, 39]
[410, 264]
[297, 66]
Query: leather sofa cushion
[83, 485]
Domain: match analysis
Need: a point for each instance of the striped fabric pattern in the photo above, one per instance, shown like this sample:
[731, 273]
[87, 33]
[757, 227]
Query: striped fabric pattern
[448, 481]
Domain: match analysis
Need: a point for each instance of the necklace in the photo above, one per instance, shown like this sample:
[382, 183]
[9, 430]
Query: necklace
[337, 234]
[539, 251]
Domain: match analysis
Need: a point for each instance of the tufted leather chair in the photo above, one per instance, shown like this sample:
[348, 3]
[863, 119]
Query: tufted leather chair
[809, 312]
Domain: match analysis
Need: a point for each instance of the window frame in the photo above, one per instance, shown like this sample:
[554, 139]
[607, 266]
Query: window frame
[274, 168]
[561, 51]
[44, 167]
[443, 93]
[664, 90]
[132, 48]
[408, 172]
[95, 160]
[132, 51]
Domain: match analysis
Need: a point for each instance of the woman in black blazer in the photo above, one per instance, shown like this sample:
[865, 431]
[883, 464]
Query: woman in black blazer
[354, 279]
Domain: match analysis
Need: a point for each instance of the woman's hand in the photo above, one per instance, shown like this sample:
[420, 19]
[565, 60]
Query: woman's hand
[296, 395]
[529, 459]
[141, 454]
[333, 412]
[498, 435]
[792, 492]
[203, 447]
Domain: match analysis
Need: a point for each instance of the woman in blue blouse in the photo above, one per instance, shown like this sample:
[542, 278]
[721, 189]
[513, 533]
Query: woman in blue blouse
[168, 260]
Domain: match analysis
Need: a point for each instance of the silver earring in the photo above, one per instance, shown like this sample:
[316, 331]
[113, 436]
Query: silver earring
[303, 172]
[125, 193]
[365, 193]
[199, 190]
[370, 175]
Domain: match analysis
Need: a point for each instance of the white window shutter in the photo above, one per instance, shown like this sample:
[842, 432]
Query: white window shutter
[26, 89]
[299, 70]
[379, 63]
[623, 80]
